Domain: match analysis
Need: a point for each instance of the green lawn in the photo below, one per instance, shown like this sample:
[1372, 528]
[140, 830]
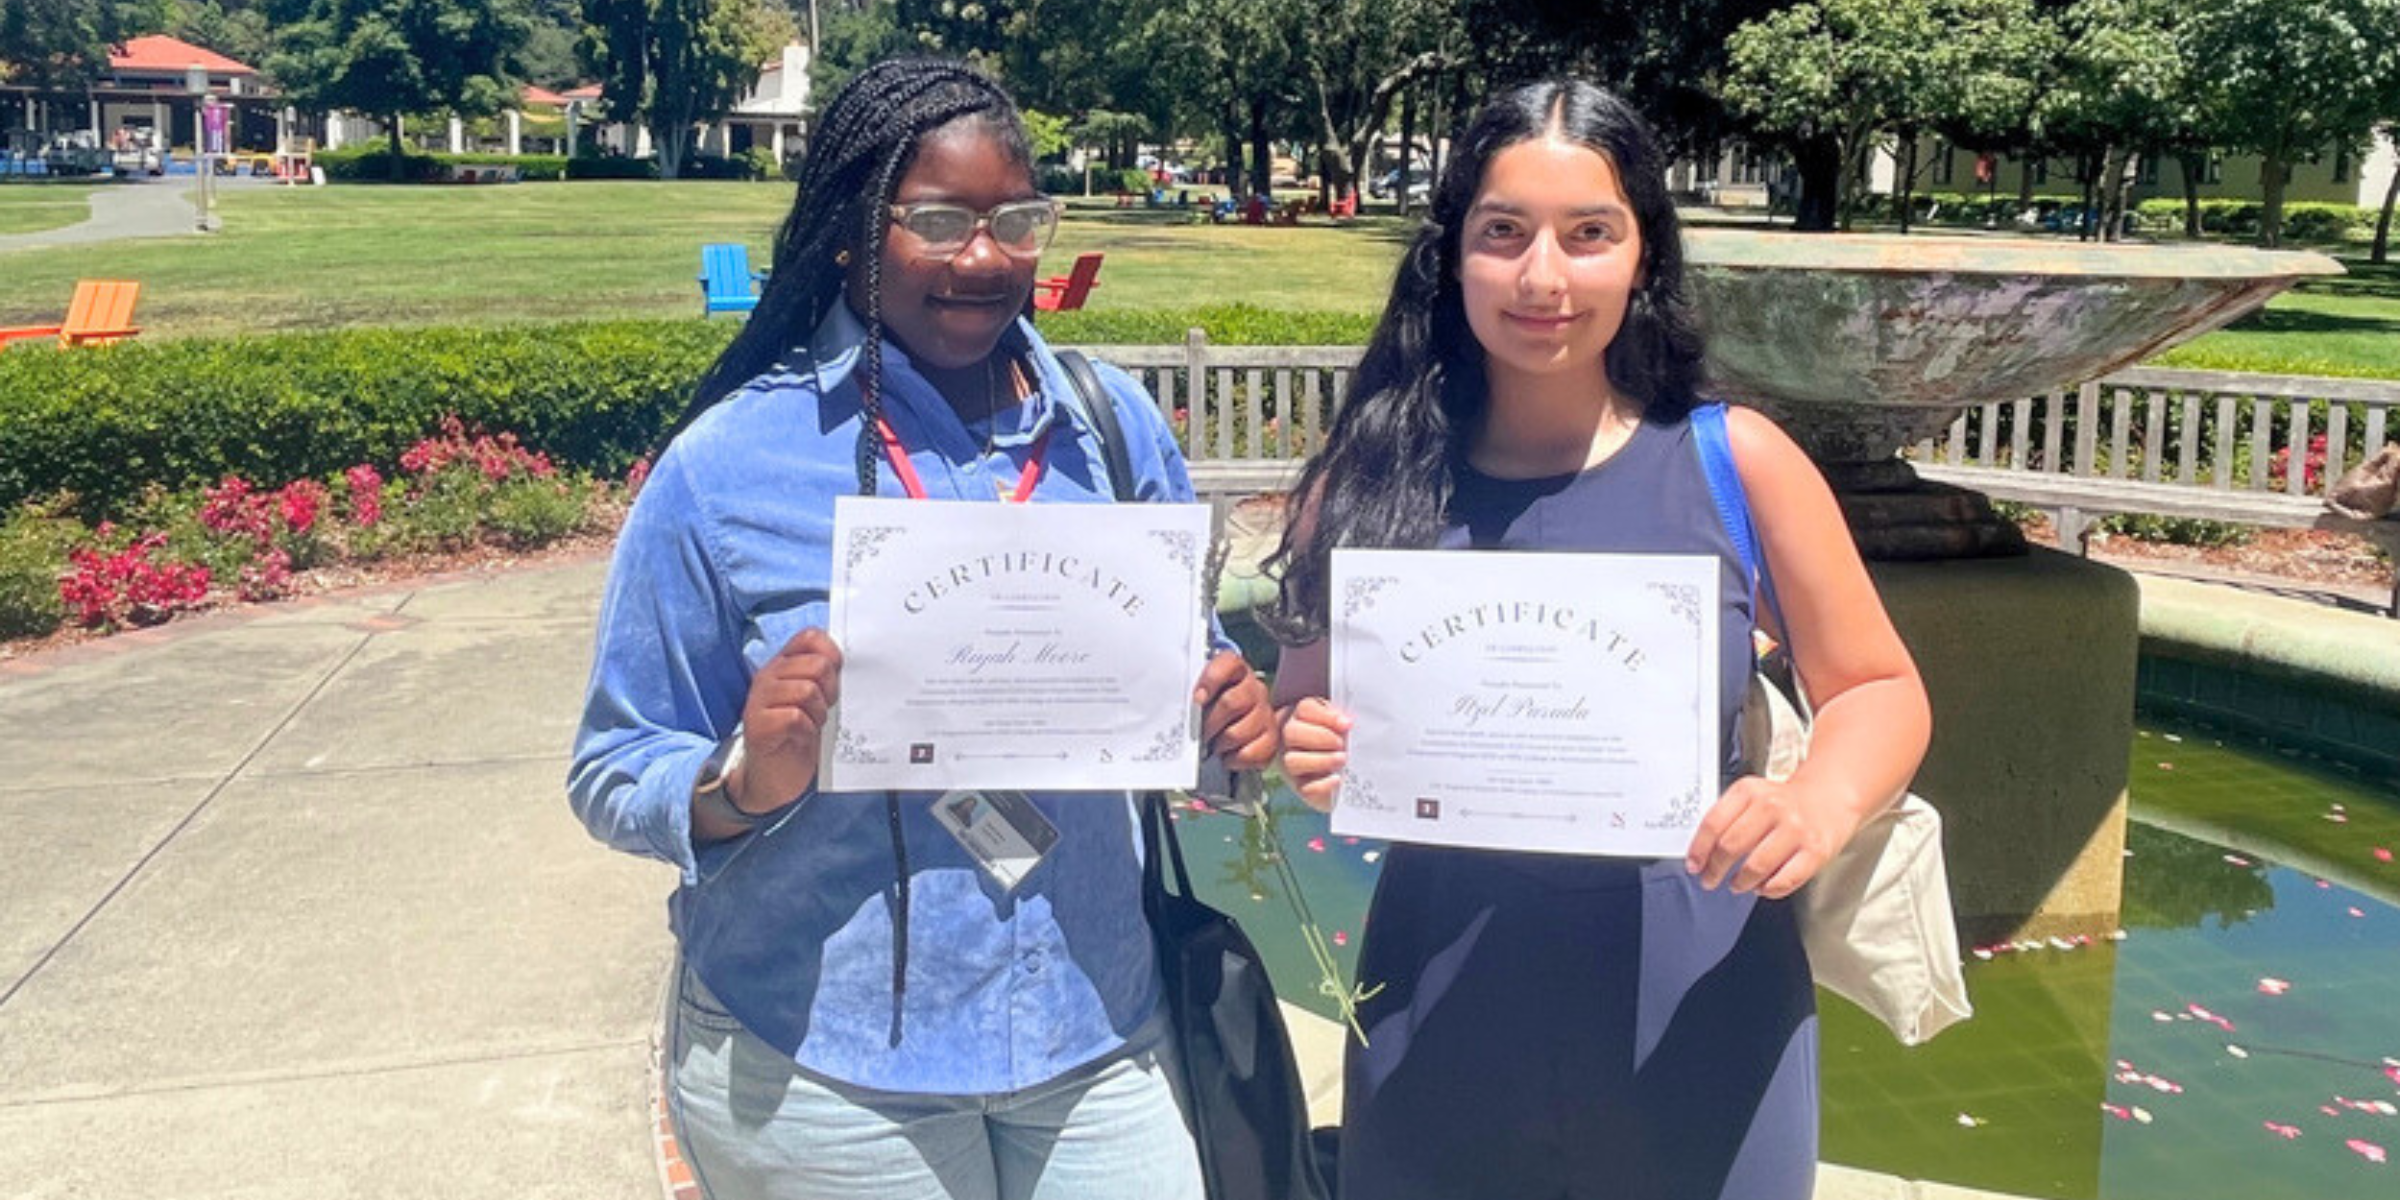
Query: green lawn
[312, 258]
[315, 258]
[2344, 325]
[31, 208]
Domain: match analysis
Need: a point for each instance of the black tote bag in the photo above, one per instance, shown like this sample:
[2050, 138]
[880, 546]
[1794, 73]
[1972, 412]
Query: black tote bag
[1241, 1083]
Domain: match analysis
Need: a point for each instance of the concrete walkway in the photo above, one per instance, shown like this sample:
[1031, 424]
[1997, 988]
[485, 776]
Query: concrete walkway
[295, 909]
[145, 209]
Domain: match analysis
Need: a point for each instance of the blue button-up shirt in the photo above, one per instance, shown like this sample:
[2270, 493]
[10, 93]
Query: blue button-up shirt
[726, 555]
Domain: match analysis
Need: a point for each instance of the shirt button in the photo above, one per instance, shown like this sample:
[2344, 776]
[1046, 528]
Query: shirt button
[1033, 964]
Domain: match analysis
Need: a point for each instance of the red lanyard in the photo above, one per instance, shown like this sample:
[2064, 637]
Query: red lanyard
[907, 471]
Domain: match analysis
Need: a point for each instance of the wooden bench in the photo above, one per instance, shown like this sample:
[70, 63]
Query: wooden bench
[2075, 502]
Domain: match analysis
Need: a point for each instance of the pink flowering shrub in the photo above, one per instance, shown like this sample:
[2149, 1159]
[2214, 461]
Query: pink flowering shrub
[365, 485]
[2312, 466]
[497, 458]
[135, 583]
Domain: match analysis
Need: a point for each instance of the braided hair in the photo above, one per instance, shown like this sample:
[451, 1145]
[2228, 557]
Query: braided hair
[864, 142]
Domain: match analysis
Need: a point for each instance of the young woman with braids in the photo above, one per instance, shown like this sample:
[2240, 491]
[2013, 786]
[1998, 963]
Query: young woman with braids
[1550, 1025]
[861, 1011]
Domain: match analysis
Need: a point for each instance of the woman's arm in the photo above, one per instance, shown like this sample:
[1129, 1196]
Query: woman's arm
[1872, 721]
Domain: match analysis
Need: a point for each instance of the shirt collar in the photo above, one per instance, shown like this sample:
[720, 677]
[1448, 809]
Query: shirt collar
[839, 343]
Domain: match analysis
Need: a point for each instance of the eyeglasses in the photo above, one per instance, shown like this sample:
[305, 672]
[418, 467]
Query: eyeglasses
[1021, 228]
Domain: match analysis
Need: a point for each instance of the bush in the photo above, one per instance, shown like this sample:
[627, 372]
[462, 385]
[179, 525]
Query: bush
[609, 166]
[532, 512]
[2180, 531]
[34, 541]
[1058, 180]
[1226, 325]
[2306, 221]
[106, 423]
[750, 165]
[375, 165]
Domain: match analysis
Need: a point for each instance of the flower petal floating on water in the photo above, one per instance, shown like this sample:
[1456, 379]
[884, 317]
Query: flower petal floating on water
[2166, 766]
[2356, 911]
[2337, 818]
[1349, 841]
[1317, 844]
[2274, 987]
[1372, 855]
[1341, 937]
[2286, 1132]
[2118, 1111]
[2141, 1114]
[1969, 1122]
[2393, 1073]
[2156, 1015]
[2236, 1051]
[2237, 860]
[2323, 885]
[2366, 1150]
[2382, 854]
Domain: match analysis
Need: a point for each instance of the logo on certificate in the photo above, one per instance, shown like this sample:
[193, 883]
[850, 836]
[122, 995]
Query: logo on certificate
[920, 753]
[1428, 809]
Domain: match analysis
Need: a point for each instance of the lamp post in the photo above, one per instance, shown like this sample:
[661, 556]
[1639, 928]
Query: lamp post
[207, 120]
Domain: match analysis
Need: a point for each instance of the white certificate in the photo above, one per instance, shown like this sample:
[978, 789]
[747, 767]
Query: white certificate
[1564, 703]
[1037, 646]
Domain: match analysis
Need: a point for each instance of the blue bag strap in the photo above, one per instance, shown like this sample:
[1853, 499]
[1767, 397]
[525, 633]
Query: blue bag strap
[1731, 500]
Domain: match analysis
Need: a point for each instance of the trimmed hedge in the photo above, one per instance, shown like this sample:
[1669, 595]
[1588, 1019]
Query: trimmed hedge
[103, 424]
[375, 165]
[2307, 221]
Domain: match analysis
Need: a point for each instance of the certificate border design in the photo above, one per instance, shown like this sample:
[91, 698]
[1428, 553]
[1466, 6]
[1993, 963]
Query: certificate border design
[1683, 812]
[1682, 599]
[850, 747]
[1360, 592]
[1180, 546]
[867, 541]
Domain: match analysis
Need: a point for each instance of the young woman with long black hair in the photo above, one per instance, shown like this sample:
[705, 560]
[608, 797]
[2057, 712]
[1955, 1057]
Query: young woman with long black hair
[1548, 1025]
[861, 1011]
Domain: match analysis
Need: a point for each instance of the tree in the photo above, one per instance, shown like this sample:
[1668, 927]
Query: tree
[668, 64]
[395, 57]
[1359, 55]
[2122, 90]
[232, 27]
[2286, 81]
[1825, 78]
[1230, 63]
[63, 44]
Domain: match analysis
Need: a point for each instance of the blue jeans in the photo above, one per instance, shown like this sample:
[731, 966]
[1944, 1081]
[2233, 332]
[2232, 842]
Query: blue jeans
[754, 1127]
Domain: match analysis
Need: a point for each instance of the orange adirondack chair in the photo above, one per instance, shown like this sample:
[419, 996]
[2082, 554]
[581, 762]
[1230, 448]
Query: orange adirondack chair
[101, 312]
[1060, 293]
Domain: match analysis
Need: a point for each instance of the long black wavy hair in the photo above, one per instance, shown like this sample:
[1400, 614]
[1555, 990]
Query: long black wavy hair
[862, 145]
[1383, 476]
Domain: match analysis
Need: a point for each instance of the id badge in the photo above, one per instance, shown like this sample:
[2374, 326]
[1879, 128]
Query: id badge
[1001, 830]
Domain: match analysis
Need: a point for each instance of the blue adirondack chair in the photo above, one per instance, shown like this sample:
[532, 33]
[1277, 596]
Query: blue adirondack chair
[727, 284]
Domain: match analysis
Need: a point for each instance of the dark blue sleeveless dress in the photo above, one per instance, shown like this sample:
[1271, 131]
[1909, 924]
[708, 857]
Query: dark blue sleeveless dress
[1553, 1026]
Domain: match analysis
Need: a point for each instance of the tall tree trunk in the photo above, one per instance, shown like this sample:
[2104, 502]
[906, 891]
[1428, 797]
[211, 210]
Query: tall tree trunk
[2193, 163]
[1435, 128]
[2383, 223]
[2270, 215]
[2112, 173]
[1908, 176]
[1818, 206]
[1408, 144]
[391, 130]
[2025, 181]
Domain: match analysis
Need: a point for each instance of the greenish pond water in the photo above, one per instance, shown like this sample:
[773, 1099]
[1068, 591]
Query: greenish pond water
[2254, 898]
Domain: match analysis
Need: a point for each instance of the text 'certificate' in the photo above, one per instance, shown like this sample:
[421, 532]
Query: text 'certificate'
[1564, 703]
[1041, 646]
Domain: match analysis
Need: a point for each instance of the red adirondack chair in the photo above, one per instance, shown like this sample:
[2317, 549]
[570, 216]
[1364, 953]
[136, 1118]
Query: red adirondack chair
[1060, 293]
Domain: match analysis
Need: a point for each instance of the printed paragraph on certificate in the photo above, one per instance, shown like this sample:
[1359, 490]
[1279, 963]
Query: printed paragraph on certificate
[1037, 646]
[1559, 703]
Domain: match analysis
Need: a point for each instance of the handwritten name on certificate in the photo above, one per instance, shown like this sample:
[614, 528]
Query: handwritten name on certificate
[1049, 646]
[1564, 703]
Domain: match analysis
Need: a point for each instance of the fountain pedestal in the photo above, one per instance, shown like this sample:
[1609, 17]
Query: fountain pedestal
[1859, 345]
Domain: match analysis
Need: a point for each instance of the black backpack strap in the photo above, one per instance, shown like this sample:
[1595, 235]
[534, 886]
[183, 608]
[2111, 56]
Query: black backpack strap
[1101, 408]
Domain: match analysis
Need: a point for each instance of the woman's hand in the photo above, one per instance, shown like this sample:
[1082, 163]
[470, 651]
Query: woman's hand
[1236, 721]
[783, 720]
[1781, 834]
[1316, 744]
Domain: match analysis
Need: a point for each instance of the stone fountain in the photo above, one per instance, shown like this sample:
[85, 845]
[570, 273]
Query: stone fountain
[1861, 344]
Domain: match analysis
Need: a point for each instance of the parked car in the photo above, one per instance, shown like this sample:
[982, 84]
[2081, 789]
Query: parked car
[1388, 184]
